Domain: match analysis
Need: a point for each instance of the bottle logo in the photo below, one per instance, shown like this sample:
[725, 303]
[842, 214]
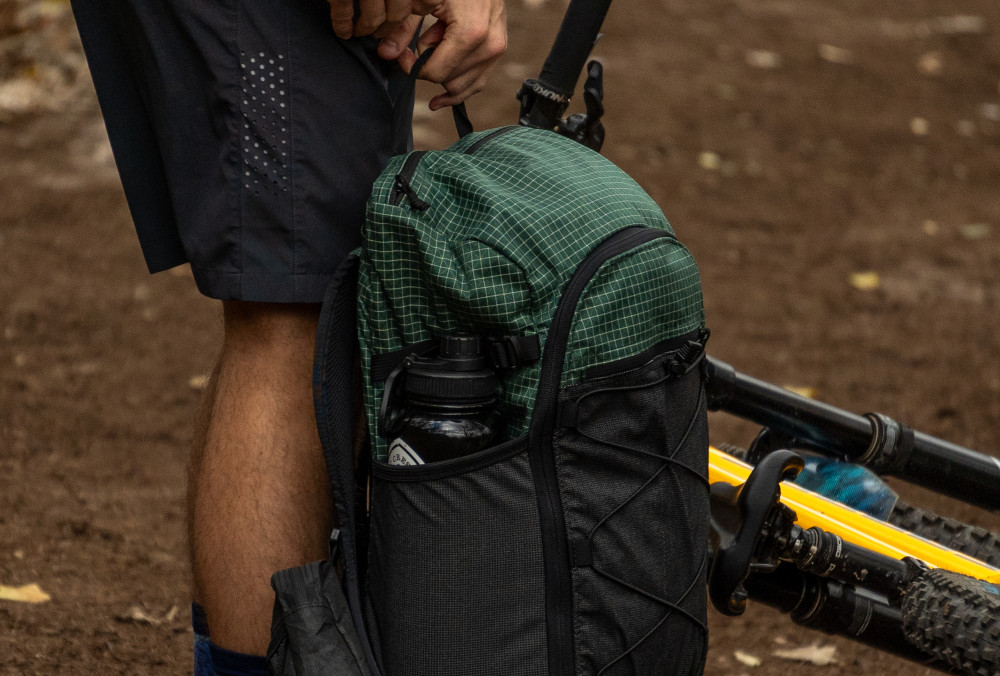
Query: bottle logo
[400, 453]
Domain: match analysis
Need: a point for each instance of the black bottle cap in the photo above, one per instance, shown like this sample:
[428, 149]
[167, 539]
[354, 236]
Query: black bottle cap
[460, 375]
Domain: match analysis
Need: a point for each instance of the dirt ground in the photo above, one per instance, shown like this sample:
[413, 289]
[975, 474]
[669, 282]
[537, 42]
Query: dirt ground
[793, 145]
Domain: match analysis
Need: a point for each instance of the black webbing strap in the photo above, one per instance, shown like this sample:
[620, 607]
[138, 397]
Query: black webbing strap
[334, 401]
[508, 352]
[463, 125]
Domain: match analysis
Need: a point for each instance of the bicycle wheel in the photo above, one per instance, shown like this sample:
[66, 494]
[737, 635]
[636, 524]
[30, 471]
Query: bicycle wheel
[956, 619]
[973, 541]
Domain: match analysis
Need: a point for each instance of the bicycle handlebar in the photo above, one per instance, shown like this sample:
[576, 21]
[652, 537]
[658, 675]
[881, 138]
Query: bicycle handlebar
[874, 440]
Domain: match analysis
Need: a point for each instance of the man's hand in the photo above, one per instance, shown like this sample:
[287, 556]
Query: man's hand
[469, 36]
[378, 17]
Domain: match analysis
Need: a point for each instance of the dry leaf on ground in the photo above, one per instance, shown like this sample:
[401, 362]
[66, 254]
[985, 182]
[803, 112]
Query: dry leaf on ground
[866, 281]
[28, 593]
[832, 54]
[198, 382]
[975, 230]
[709, 161]
[761, 58]
[931, 63]
[820, 656]
[919, 126]
[139, 615]
[747, 659]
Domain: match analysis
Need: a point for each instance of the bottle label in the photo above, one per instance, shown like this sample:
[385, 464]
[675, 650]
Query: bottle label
[400, 453]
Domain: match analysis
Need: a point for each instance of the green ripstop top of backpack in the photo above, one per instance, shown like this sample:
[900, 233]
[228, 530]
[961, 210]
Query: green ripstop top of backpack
[483, 237]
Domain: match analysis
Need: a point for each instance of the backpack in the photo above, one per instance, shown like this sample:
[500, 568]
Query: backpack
[578, 544]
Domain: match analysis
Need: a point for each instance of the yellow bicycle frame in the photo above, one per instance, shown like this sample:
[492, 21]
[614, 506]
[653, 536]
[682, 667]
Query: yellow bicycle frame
[853, 526]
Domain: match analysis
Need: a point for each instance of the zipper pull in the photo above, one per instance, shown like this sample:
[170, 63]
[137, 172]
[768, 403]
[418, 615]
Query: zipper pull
[402, 187]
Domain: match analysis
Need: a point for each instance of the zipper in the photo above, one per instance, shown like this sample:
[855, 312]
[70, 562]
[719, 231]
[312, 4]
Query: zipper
[489, 137]
[555, 546]
[401, 187]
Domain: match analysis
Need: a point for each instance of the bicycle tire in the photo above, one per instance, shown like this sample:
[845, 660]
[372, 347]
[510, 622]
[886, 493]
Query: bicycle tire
[973, 541]
[955, 618]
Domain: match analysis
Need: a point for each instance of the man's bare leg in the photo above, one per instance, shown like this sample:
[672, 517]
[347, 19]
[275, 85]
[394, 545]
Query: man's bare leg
[258, 493]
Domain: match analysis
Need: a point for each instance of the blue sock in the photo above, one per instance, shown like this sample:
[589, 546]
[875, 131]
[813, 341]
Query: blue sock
[202, 649]
[211, 660]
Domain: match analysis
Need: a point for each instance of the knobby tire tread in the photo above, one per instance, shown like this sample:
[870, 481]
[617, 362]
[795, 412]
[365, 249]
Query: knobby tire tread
[973, 541]
[956, 619]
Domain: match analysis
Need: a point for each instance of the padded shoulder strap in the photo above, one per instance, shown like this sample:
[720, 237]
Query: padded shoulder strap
[334, 400]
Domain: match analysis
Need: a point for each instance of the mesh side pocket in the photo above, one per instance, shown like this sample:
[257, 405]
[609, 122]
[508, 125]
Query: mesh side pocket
[632, 473]
[455, 577]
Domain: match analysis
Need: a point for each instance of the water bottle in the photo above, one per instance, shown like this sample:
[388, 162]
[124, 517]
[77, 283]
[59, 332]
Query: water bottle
[449, 404]
[852, 485]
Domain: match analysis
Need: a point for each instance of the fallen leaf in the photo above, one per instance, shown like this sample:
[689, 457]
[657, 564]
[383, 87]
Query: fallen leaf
[960, 24]
[837, 55]
[139, 615]
[990, 111]
[919, 126]
[709, 161]
[821, 656]
[142, 292]
[808, 392]
[975, 230]
[866, 281]
[198, 382]
[747, 659]
[761, 58]
[29, 593]
[931, 64]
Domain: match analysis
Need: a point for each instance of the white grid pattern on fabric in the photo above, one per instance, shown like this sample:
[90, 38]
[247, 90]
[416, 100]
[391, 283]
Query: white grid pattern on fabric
[506, 228]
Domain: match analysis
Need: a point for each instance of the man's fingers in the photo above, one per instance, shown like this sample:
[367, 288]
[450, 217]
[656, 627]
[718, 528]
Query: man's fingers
[396, 11]
[464, 44]
[372, 16]
[468, 38]
[451, 52]
[431, 37]
[342, 17]
[395, 43]
[381, 17]
[460, 90]
[375, 17]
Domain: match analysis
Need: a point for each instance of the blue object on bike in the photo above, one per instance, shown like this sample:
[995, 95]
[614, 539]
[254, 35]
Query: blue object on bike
[847, 483]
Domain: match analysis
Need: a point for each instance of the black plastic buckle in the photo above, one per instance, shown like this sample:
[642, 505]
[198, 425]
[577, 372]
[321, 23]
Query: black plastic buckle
[508, 352]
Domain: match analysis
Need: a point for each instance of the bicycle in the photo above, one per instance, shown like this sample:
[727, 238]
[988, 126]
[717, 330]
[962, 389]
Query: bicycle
[910, 585]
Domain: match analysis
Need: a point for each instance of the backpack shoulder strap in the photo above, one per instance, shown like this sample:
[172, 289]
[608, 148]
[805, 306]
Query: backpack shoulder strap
[334, 398]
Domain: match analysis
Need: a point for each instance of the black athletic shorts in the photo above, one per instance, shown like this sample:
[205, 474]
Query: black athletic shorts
[247, 136]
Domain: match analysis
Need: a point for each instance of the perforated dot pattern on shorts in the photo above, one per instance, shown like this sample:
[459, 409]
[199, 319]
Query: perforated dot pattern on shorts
[264, 109]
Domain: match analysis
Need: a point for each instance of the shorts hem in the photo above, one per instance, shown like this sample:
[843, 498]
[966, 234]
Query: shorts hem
[262, 288]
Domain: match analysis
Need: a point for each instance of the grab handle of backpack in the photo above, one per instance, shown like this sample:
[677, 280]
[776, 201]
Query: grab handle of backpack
[463, 125]
[550, 93]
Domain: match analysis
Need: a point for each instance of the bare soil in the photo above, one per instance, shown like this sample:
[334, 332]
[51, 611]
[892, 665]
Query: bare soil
[791, 144]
